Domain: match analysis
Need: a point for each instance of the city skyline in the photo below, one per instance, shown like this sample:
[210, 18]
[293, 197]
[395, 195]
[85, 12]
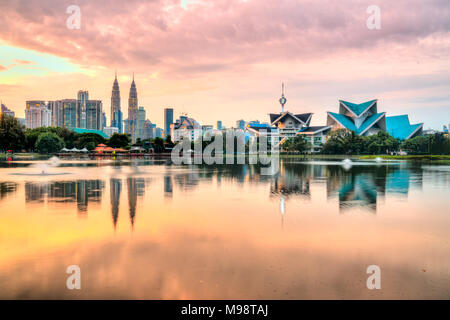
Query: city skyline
[213, 64]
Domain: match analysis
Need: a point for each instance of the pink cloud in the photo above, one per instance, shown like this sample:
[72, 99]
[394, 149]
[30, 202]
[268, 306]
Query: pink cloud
[212, 35]
[233, 54]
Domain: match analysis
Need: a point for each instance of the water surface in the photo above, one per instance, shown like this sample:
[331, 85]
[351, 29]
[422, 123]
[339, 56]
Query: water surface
[151, 230]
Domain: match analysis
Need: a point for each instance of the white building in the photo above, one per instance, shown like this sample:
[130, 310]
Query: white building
[185, 128]
[36, 117]
[109, 131]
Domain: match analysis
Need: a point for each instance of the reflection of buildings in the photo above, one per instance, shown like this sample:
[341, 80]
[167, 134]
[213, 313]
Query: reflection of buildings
[362, 185]
[136, 187]
[80, 192]
[7, 187]
[168, 186]
[115, 190]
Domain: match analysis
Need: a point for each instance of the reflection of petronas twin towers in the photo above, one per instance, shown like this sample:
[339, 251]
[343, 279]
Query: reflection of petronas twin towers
[135, 188]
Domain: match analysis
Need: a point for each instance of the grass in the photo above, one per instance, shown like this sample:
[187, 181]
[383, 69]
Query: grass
[21, 156]
[410, 157]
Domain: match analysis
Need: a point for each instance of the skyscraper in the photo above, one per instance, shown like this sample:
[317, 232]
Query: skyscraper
[240, 124]
[4, 110]
[83, 97]
[147, 130]
[116, 113]
[140, 123]
[168, 120]
[93, 115]
[219, 125]
[36, 117]
[69, 113]
[133, 112]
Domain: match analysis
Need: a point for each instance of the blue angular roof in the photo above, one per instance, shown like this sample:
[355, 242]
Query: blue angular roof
[370, 121]
[99, 132]
[348, 123]
[400, 128]
[357, 109]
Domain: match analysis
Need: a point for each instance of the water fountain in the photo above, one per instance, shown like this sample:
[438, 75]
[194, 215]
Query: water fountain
[44, 167]
[347, 163]
[378, 159]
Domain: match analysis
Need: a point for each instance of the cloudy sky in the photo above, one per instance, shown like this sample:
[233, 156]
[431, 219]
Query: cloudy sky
[226, 59]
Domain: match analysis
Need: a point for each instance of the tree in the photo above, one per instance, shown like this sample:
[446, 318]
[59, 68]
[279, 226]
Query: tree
[438, 143]
[88, 139]
[69, 137]
[119, 140]
[49, 142]
[342, 141]
[158, 145]
[416, 145]
[297, 144]
[382, 142]
[12, 136]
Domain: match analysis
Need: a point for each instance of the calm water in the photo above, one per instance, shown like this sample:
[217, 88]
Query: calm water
[147, 229]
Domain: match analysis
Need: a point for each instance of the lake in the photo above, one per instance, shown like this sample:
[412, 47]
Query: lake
[146, 229]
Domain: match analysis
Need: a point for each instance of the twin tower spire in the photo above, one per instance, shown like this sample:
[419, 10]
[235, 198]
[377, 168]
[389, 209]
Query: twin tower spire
[116, 113]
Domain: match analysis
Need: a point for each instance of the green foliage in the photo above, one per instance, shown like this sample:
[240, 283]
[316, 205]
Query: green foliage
[158, 145]
[49, 142]
[416, 145]
[12, 136]
[439, 144]
[434, 144]
[169, 140]
[88, 140]
[31, 135]
[343, 141]
[381, 143]
[119, 140]
[296, 144]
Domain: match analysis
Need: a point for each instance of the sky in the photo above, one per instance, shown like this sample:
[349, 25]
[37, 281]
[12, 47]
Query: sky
[226, 59]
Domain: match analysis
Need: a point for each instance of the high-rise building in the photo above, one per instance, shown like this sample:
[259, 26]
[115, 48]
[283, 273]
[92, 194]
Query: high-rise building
[158, 132]
[219, 125]
[140, 123]
[57, 117]
[69, 108]
[168, 120]
[133, 112]
[240, 124]
[83, 97]
[126, 128]
[35, 103]
[147, 131]
[109, 131]
[94, 115]
[36, 117]
[4, 110]
[116, 113]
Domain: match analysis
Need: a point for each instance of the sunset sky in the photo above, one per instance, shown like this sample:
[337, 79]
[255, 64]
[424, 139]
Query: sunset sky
[226, 59]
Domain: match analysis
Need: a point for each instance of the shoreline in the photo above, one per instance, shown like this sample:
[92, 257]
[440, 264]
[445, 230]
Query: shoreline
[425, 158]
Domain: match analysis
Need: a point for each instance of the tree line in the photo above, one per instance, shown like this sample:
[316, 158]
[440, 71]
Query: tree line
[14, 137]
[344, 141]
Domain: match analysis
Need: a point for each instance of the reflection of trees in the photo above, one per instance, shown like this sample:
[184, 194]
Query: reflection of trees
[7, 187]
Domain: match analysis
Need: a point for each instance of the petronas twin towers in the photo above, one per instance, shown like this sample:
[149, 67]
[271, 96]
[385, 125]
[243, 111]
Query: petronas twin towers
[116, 113]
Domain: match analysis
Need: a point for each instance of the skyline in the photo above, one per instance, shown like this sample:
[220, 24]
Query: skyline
[226, 60]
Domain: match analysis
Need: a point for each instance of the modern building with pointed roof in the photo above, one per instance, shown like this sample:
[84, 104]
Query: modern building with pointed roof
[116, 112]
[133, 112]
[363, 119]
[399, 127]
[287, 125]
